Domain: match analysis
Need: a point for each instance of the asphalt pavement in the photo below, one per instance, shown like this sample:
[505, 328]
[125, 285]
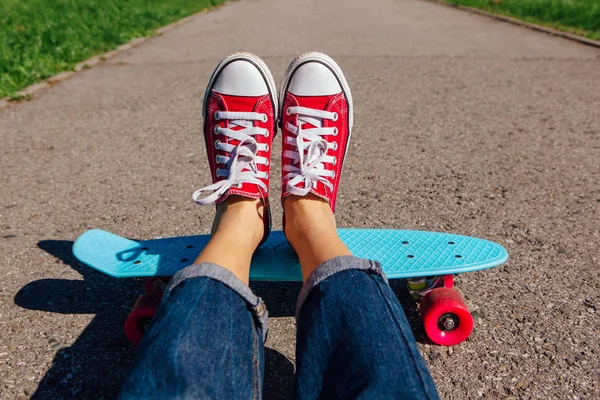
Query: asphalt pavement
[463, 124]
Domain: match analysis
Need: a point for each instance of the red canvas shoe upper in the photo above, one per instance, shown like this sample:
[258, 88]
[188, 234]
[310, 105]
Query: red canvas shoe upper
[316, 123]
[239, 125]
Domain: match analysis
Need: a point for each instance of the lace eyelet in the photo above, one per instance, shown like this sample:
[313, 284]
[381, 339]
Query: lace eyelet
[217, 143]
[267, 149]
[217, 159]
[334, 162]
[335, 116]
[287, 111]
[335, 146]
[265, 118]
[335, 131]
[268, 163]
[217, 116]
[266, 134]
[216, 130]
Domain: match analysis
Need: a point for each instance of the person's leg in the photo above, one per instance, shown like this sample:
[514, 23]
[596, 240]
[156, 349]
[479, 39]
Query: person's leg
[237, 231]
[353, 339]
[206, 339]
[209, 329]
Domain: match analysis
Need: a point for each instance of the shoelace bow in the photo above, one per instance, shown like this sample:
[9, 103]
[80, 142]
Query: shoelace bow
[311, 169]
[242, 162]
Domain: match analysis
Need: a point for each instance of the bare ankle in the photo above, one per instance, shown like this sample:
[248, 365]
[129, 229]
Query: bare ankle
[305, 214]
[237, 230]
[241, 214]
[310, 229]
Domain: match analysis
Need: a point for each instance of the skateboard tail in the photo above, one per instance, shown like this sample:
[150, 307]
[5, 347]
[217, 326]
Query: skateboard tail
[96, 248]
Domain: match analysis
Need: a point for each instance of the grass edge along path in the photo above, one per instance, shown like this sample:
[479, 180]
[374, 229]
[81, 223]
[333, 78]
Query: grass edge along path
[40, 39]
[579, 17]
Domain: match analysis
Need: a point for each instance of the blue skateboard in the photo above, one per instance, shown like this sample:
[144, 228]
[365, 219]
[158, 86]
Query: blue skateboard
[427, 259]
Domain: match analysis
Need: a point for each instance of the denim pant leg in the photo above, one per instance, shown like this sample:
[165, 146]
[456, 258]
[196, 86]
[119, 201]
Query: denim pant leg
[353, 339]
[205, 341]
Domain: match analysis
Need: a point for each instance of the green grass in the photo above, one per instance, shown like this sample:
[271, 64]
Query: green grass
[39, 38]
[581, 17]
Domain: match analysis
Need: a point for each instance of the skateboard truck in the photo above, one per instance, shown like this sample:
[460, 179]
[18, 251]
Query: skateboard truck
[418, 287]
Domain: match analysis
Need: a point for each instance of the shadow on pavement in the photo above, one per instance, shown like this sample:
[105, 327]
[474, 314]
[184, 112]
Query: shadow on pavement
[95, 365]
[279, 376]
[410, 307]
[280, 297]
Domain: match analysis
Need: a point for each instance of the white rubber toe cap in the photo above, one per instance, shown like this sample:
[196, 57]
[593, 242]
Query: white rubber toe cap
[241, 78]
[314, 79]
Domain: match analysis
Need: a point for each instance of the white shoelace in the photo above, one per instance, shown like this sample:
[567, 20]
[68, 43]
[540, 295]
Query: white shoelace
[242, 165]
[311, 169]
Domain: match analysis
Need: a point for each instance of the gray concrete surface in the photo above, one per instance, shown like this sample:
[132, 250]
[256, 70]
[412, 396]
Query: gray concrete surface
[462, 124]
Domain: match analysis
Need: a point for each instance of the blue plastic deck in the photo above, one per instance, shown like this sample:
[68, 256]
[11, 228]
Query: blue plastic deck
[402, 254]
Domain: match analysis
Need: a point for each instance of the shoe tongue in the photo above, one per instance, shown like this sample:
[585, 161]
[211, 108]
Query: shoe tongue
[315, 102]
[240, 103]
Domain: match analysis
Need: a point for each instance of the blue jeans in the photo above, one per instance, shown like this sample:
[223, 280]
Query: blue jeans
[353, 339]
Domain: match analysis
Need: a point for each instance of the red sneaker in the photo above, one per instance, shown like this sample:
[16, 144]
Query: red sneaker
[239, 124]
[316, 121]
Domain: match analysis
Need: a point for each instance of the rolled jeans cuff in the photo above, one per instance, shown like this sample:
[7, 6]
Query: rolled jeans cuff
[333, 266]
[216, 272]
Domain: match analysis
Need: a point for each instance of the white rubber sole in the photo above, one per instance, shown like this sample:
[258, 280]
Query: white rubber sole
[254, 60]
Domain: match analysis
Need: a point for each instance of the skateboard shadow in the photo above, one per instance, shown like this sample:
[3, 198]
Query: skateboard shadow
[94, 366]
[279, 297]
[411, 310]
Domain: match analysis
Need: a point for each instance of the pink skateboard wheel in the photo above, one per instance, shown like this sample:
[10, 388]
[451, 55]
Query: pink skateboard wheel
[446, 318]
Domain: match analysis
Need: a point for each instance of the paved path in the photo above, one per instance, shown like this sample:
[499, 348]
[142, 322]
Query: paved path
[463, 124]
